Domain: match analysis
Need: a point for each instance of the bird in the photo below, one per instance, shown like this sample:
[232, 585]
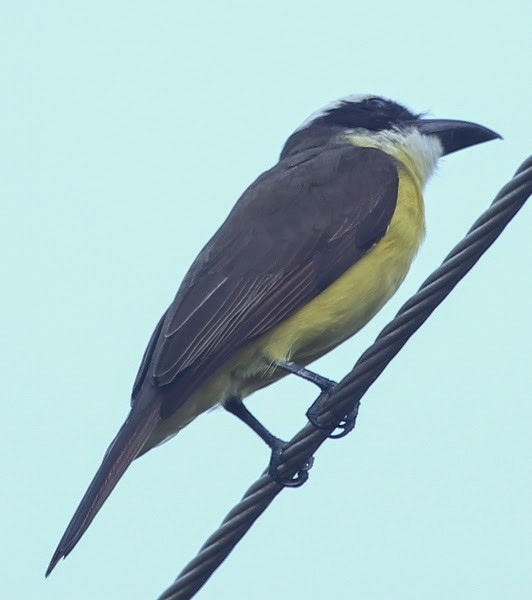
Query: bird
[310, 252]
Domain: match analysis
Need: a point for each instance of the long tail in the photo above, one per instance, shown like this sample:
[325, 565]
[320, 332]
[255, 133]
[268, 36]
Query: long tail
[120, 454]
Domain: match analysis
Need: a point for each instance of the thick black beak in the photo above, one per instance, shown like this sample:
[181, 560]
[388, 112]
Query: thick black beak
[456, 135]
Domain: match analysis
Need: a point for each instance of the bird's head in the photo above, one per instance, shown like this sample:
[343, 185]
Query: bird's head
[368, 120]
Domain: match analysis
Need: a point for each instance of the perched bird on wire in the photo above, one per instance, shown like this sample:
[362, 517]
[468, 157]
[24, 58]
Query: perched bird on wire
[311, 251]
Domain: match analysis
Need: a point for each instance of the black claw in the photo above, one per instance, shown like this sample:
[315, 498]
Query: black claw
[345, 424]
[296, 480]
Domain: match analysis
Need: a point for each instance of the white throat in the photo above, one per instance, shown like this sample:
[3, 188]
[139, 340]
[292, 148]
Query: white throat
[418, 151]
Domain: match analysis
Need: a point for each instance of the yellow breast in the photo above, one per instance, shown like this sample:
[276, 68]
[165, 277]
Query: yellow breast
[350, 302]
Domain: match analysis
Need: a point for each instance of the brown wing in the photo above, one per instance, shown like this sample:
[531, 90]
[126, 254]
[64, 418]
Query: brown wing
[293, 232]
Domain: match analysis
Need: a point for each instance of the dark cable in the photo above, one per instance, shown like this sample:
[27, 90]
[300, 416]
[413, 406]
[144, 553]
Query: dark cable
[346, 396]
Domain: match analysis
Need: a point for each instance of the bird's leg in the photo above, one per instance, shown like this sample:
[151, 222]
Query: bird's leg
[236, 407]
[347, 422]
[326, 385]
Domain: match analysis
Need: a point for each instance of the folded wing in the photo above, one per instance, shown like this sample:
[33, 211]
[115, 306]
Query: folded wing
[293, 232]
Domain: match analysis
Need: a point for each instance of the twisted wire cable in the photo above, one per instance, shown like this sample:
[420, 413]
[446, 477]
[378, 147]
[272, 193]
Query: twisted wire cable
[345, 399]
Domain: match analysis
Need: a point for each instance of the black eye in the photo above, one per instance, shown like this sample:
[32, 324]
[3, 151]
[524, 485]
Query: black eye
[376, 103]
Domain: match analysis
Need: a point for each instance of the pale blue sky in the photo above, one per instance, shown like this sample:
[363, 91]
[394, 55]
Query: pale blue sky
[128, 130]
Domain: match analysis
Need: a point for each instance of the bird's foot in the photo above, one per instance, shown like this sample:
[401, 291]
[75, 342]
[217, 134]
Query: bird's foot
[298, 479]
[345, 423]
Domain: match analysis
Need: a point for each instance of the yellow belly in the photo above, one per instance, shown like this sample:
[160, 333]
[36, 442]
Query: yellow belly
[335, 315]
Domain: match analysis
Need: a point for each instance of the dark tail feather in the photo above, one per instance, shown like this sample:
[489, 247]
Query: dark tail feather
[122, 451]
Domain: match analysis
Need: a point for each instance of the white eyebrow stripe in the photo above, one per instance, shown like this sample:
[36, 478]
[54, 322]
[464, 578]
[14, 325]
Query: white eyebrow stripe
[331, 106]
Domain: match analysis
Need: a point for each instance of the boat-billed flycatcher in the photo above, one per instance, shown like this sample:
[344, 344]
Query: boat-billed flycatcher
[307, 256]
